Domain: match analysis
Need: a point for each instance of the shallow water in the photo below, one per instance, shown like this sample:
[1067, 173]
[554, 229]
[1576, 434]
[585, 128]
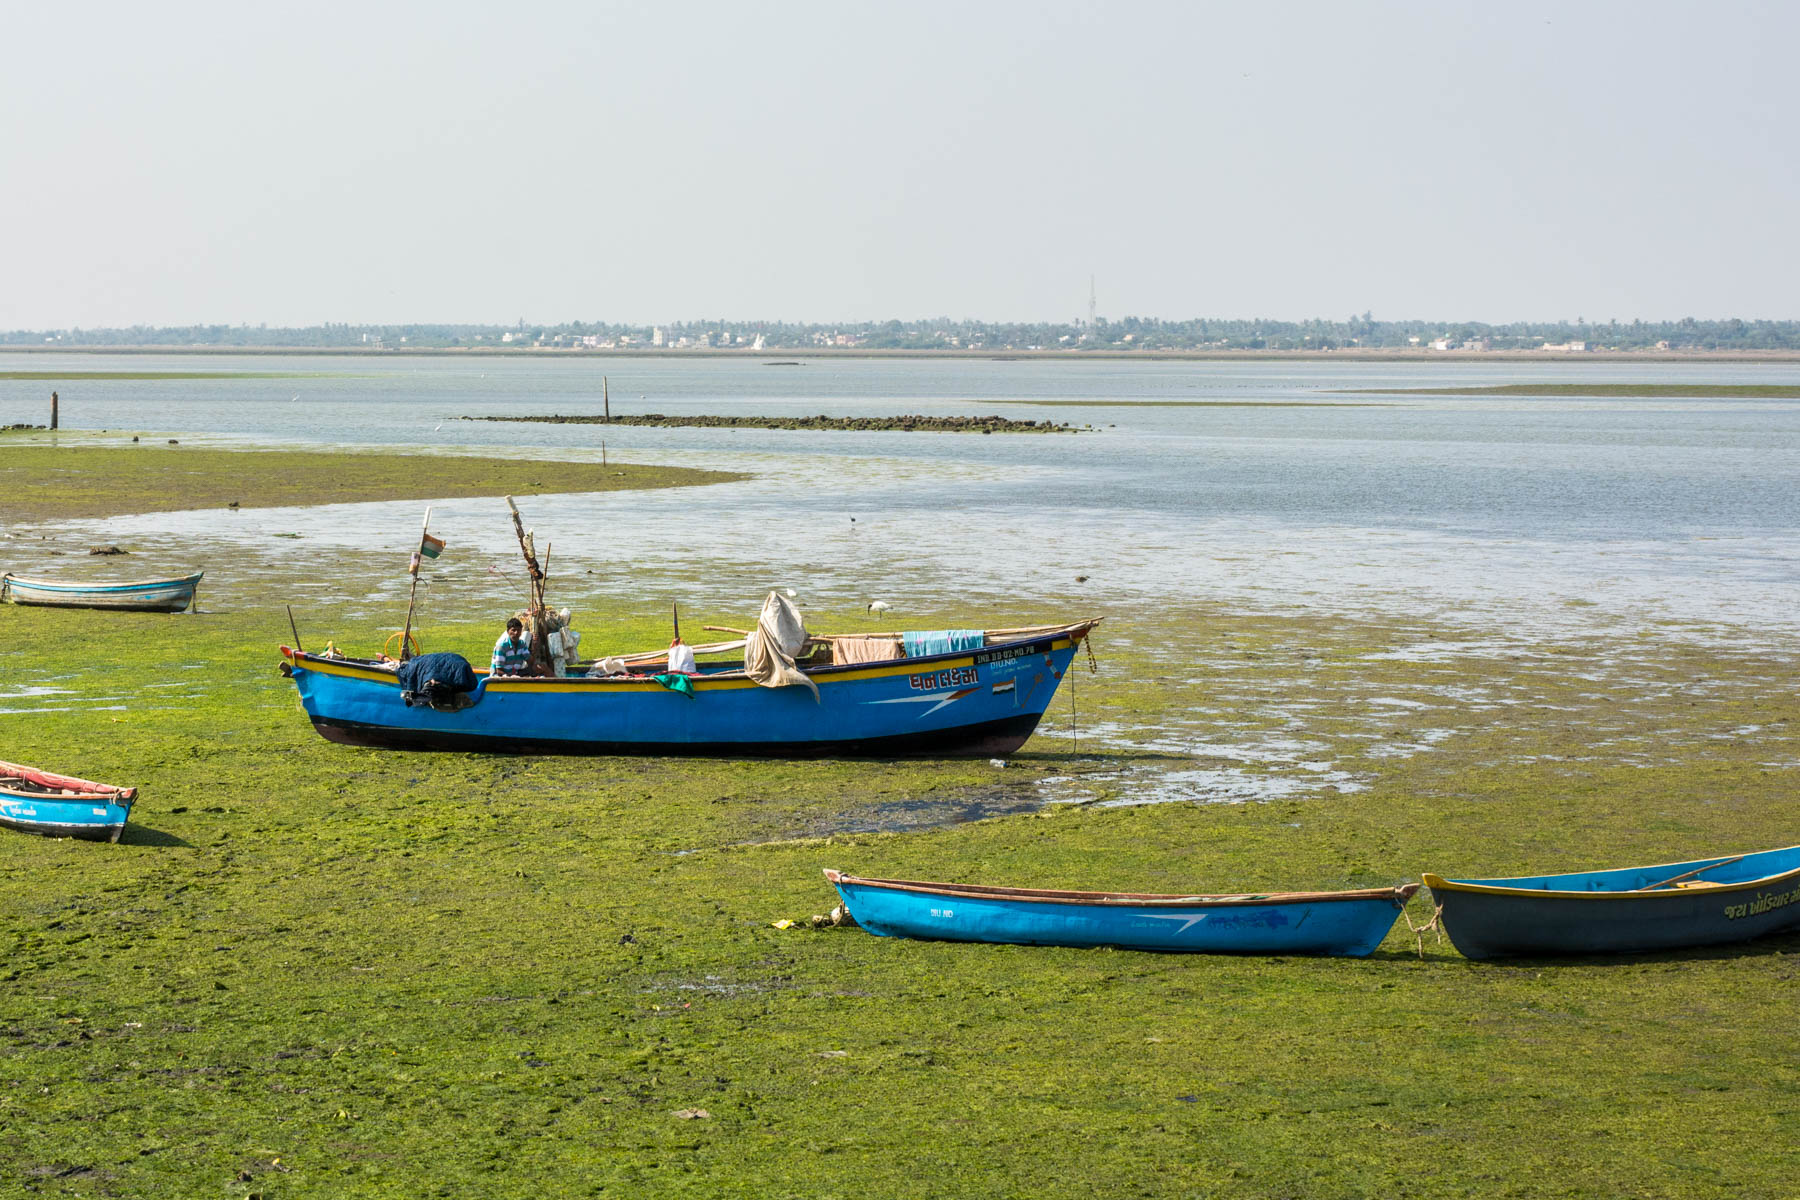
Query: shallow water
[1525, 519]
[1555, 512]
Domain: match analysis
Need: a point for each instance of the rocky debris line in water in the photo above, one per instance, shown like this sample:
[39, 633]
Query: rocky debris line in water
[11, 428]
[911, 423]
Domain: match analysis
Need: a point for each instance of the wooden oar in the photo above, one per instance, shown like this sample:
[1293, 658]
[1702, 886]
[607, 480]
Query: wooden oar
[1725, 862]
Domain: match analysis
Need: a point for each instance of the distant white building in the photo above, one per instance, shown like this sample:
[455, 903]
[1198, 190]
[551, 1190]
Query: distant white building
[656, 336]
[1442, 344]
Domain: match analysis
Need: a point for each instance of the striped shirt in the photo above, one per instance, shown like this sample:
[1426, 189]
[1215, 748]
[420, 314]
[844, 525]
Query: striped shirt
[510, 657]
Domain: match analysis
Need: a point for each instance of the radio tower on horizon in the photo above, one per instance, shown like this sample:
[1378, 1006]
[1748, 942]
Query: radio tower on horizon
[1093, 304]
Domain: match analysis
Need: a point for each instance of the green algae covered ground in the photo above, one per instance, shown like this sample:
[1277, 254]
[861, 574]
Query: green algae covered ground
[40, 482]
[310, 970]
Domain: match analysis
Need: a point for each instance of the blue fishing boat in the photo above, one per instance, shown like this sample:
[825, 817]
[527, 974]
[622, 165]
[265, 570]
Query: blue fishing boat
[964, 692]
[1348, 923]
[146, 595]
[34, 801]
[1671, 906]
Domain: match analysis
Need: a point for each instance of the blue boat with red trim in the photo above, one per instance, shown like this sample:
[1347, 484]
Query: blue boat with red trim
[42, 802]
[984, 697]
[1670, 906]
[1348, 923]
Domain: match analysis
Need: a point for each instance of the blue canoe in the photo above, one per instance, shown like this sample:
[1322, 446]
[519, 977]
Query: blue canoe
[1344, 923]
[34, 801]
[984, 701]
[146, 595]
[1670, 906]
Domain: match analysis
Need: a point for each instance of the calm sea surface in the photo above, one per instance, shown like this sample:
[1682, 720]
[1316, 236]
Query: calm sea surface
[1259, 484]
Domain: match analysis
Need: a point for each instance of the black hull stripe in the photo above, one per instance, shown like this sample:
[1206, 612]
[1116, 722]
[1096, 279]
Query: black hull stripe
[87, 833]
[149, 608]
[990, 739]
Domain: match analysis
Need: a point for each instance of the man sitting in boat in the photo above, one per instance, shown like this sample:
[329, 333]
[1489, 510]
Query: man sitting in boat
[512, 653]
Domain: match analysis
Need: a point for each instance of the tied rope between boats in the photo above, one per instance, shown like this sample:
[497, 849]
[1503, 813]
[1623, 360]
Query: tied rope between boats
[1433, 926]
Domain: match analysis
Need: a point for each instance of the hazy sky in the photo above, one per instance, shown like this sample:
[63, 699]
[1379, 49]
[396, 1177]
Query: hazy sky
[296, 164]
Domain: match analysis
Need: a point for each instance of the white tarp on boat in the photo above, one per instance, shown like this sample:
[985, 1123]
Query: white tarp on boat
[770, 649]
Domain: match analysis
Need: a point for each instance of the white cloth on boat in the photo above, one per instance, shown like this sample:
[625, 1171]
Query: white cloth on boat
[864, 649]
[608, 666]
[769, 651]
[560, 642]
[681, 659]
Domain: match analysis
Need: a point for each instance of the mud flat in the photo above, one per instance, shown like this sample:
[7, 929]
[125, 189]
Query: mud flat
[313, 970]
[158, 474]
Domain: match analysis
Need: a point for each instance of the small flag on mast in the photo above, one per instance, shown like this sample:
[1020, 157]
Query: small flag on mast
[430, 546]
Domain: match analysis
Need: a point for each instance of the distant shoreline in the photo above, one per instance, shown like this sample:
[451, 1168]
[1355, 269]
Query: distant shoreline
[1634, 391]
[746, 355]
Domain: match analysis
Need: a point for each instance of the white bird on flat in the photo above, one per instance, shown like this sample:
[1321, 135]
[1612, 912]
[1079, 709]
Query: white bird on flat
[791, 593]
[878, 606]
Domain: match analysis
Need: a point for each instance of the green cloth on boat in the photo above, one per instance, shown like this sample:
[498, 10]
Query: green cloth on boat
[677, 683]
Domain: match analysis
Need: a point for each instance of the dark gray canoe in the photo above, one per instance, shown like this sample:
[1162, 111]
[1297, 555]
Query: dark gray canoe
[1670, 906]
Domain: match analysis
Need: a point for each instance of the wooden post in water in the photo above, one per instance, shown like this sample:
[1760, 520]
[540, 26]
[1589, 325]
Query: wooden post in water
[53, 410]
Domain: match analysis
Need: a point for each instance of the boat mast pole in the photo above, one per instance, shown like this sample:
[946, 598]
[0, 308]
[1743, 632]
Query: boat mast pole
[413, 593]
[540, 638]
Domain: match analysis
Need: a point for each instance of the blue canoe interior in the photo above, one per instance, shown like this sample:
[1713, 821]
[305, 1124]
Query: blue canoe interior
[1350, 923]
[1667, 906]
[42, 802]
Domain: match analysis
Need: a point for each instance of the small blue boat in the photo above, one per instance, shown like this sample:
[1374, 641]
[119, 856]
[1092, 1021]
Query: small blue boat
[1349, 923]
[983, 699]
[1671, 906]
[147, 595]
[34, 801]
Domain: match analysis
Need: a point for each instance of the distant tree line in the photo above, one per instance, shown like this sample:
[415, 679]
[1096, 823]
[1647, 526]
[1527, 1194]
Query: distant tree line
[1129, 333]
